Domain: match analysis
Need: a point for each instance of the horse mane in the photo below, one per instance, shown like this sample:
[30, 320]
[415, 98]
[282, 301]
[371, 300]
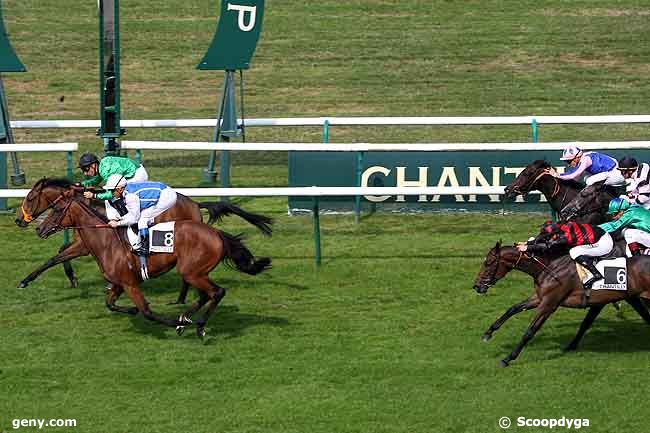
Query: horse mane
[573, 183]
[94, 211]
[55, 182]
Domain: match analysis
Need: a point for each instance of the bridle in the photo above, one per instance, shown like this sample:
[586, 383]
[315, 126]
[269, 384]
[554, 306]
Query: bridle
[27, 216]
[529, 186]
[492, 280]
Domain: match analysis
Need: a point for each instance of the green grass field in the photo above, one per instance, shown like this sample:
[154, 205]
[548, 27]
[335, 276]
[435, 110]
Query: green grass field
[385, 336]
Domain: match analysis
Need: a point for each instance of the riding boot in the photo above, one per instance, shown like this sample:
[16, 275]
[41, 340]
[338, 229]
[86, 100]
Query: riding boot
[635, 248]
[144, 243]
[588, 263]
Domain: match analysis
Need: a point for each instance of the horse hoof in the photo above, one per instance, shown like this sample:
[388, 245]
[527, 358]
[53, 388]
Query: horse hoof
[180, 330]
[486, 337]
[569, 348]
[74, 283]
[184, 320]
[200, 332]
[504, 363]
[22, 285]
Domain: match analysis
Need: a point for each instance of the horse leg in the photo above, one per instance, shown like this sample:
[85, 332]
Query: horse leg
[186, 317]
[544, 311]
[526, 305]
[138, 299]
[211, 291]
[66, 253]
[182, 295]
[112, 296]
[584, 326]
[640, 308]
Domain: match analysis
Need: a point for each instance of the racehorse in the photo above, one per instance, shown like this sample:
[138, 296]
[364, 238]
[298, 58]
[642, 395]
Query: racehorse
[557, 284]
[198, 249]
[592, 200]
[537, 176]
[45, 191]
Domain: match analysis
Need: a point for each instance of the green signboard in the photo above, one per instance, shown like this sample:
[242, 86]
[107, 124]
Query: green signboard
[422, 169]
[236, 37]
[9, 61]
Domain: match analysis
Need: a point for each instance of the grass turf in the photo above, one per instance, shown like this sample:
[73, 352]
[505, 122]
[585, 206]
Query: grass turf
[385, 336]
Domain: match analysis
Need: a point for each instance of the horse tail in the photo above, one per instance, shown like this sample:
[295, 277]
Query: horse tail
[218, 210]
[240, 257]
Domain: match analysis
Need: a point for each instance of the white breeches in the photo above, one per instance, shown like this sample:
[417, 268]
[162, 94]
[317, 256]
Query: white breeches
[600, 248]
[613, 177]
[167, 200]
[636, 235]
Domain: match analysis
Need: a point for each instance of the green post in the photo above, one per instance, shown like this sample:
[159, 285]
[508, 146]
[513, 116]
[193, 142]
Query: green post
[109, 75]
[535, 131]
[138, 156]
[316, 215]
[357, 199]
[326, 131]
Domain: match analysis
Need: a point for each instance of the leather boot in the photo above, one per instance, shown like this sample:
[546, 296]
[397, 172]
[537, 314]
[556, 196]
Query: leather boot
[588, 263]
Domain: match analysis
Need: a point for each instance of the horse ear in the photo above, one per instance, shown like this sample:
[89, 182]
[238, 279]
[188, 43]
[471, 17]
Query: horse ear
[69, 193]
[498, 245]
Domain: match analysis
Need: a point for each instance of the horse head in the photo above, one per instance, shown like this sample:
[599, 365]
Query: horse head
[525, 181]
[589, 205]
[39, 199]
[498, 262]
[59, 217]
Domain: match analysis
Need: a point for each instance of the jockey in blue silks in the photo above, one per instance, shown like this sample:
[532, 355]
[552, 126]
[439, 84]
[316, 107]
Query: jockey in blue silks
[597, 167]
[144, 202]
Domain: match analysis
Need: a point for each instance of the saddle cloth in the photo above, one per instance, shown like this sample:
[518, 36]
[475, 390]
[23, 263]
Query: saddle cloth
[161, 238]
[614, 272]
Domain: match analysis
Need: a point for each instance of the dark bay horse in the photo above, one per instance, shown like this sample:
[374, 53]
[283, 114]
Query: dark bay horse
[45, 191]
[537, 176]
[198, 249]
[557, 284]
[592, 200]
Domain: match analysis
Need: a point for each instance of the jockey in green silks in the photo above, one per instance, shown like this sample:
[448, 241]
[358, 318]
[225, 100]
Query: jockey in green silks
[633, 219]
[97, 171]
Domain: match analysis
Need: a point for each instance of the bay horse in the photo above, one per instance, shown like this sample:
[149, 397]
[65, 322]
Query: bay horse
[557, 284]
[559, 193]
[592, 200]
[46, 190]
[198, 249]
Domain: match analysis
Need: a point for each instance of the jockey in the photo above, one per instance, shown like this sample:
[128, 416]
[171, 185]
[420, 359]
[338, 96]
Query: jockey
[635, 220]
[597, 166]
[97, 171]
[144, 201]
[584, 240]
[638, 178]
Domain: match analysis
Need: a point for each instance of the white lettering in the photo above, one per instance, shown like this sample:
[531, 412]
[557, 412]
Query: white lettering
[366, 176]
[421, 182]
[476, 178]
[521, 421]
[252, 10]
[448, 175]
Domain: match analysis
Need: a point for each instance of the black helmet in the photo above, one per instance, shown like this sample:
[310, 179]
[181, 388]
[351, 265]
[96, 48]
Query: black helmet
[87, 159]
[628, 162]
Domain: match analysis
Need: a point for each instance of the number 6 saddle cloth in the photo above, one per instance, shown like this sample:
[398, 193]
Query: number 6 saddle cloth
[614, 273]
[161, 238]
